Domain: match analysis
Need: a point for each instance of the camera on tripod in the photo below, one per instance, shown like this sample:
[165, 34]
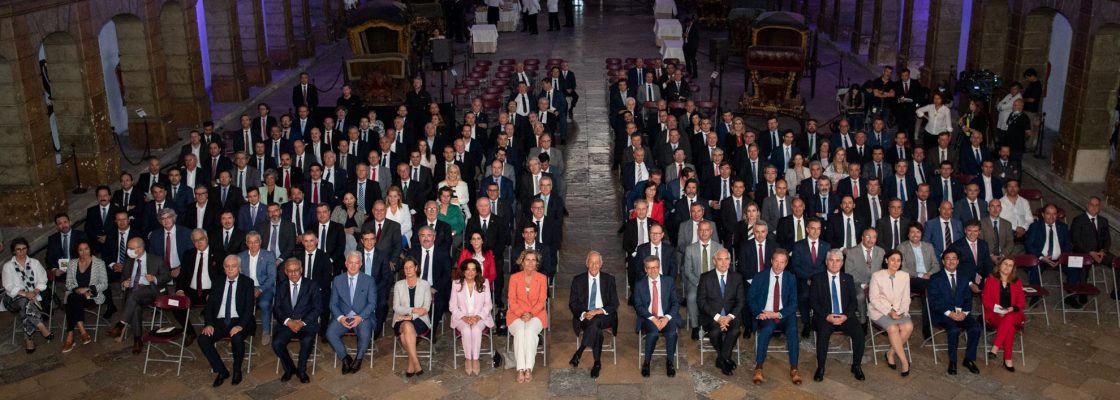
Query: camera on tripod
[978, 83]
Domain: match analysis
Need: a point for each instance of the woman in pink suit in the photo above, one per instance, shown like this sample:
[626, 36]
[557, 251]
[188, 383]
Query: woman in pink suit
[470, 311]
[1004, 290]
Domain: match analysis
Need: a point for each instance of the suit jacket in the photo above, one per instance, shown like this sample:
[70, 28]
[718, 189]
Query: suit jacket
[962, 211]
[911, 209]
[692, 264]
[306, 213]
[234, 200]
[312, 99]
[997, 187]
[153, 266]
[669, 301]
[184, 195]
[236, 240]
[863, 208]
[968, 162]
[709, 301]
[885, 170]
[214, 169]
[547, 264]
[365, 297]
[505, 187]
[266, 269]
[935, 234]
[390, 243]
[629, 232]
[441, 266]
[320, 271]
[110, 251]
[1086, 237]
[496, 233]
[245, 220]
[482, 306]
[758, 299]
[628, 178]
[286, 237]
[820, 296]
[801, 258]
[580, 294]
[188, 273]
[909, 261]
[885, 231]
[326, 192]
[301, 130]
[937, 190]
[334, 244]
[943, 299]
[150, 220]
[1005, 241]
[668, 259]
[1036, 238]
[856, 263]
[970, 267]
[144, 182]
[243, 302]
[676, 91]
[787, 231]
[383, 275]
[771, 213]
[157, 237]
[814, 207]
[684, 233]
[891, 190]
[308, 304]
[748, 258]
[835, 232]
[844, 188]
[202, 175]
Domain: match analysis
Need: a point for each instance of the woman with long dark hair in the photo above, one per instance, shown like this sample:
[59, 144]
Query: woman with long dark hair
[470, 310]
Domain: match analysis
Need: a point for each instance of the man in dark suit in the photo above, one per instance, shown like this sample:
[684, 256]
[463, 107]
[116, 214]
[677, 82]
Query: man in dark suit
[807, 259]
[773, 303]
[431, 219]
[656, 304]
[635, 232]
[298, 211]
[823, 205]
[1047, 238]
[731, 211]
[296, 307]
[720, 300]
[279, 235]
[845, 228]
[435, 267]
[920, 206]
[833, 299]
[143, 277]
[853, 185]
[115, 255]
[152, 208]
[495, 232]
[414, 193]
[936, 234]
[230, 315]
[950, 302]
[891, 183]
[99, 219]
[316, 267]
[943, 186]
[975, 260]
[872, 205]
[228, 196]
[1089, 233]
[316, 190]
[200, 271]
[151, 176]
[168, 232]
[548, 231]
[376, 264]
[128, 198]
[972, 157]
[386, 231]
[658, 247]
[594, 306]
[245, 136]
[332, 238]
[230, 239]
[305, 94]
[751, 262]
[61, 245]
[892, 227]
[263, 123]
[991, 185]
[365, 190]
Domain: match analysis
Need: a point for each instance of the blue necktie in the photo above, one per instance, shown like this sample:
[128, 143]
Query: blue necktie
[594, 292]
[229, 302]
[352, 287]
[835, 297]
[722, 285]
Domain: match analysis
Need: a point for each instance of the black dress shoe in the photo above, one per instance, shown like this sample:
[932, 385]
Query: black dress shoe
[819, 375]
[236, 378]
[645, 369]
[747, 333]
[220, 379]
[731, 364]
[303, 378]
[190, 339]
[952, 368]
[695, 333]
[574, 362]
[286, 377]
[804, 332]
[971, 366]
[595, 370]
[346, 361]
[670, 370]
[857, 372]
[891, 366]
[355, 366]
[720, 364]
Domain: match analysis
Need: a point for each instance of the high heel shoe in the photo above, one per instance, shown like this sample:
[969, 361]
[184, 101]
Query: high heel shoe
[905, 373]
[892, 366]
[1009, 368]
[991, 355]
[48, 337]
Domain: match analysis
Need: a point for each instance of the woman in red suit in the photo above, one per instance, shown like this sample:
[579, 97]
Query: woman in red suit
[477, 249]
[1004, 291]
[656, 206]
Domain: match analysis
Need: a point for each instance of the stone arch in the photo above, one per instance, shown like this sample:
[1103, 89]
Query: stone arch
[1034, 46]
[182, 55]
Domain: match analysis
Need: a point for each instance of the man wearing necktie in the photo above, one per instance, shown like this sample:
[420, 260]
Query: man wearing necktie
[656, 304]
[833, 299]
[950, 303]
[229, 314]
[594, 306]
[773, 302]
[721, 308]
[1047, 238]
[352, 306]
[297, 307]
[141, 276]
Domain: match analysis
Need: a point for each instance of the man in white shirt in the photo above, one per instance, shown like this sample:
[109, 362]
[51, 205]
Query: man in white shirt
[228, 315]
[595, 302]
[1016, 210]
[260, 266]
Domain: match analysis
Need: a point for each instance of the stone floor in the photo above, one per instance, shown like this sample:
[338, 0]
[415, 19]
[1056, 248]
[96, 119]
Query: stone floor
[1064, 361]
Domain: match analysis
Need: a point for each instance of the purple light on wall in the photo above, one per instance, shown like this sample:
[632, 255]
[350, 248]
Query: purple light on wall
[204, 46]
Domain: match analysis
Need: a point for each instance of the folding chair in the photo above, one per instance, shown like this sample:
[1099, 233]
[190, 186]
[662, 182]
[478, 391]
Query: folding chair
[166, 303]
[49, 312]
[542, 345]
[611, 348]
[936, 329]
[354, 351]
[295, 355]
[1115, 267]
[656, 352]
[1078, 289]
[399, 352]
[94, 310]
[876, 330]
[1028, 262]
[989, 336]
[457, 352]
[706, 346]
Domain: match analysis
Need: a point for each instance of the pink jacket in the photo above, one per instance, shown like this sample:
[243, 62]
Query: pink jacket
[886, 295]
[482, 306]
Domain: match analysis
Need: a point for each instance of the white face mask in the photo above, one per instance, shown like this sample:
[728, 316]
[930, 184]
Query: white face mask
[132, 253]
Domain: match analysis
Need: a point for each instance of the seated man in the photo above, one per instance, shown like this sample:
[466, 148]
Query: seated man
[656, 305]
[773, 295]
[833, 297]
[229, 314]
[594, 305]
[142, 280]
[297, 310]
[353, 301]
[261, 266]
[720, 294]
[950, 302]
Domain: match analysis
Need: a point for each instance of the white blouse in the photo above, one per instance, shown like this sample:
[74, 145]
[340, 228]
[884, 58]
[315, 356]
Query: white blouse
[402, 216]
[939, 119]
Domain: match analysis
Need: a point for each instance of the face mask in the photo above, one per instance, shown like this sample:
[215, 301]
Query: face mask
[132, 253]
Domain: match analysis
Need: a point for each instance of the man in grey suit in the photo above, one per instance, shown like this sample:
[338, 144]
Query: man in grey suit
[675, 165]
[277, 234]
[971, 206]
[143, 277]
[777, 206]
[861, 262]
[555, 156]
[698, 259]
[379, 173]
[386, 231]
[244, 176]
[688, 231]
[353, 301]
[998, 233]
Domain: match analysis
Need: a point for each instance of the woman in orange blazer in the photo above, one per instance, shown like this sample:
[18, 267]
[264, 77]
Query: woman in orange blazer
[1004, 289]
[527, 315]
[477, 249]
[470, 311]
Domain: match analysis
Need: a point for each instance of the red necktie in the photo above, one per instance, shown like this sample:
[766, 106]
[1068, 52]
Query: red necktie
[315, 193]
[855, 189]
[761, 259]
[167, 250]
[813, 251]
[656, 309]
[287, 180]
[777, 295]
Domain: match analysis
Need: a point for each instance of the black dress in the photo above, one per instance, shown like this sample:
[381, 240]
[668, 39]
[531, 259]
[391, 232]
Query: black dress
[418, 324]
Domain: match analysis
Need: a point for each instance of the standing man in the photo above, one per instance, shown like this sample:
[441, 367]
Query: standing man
[691, 45]
[594, 306]
[231, 315]
[833, 298]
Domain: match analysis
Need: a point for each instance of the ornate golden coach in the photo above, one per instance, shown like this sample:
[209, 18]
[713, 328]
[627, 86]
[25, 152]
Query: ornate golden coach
[380, 35]
[777, 58]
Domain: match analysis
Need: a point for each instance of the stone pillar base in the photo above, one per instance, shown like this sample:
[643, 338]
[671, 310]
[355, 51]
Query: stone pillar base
[1087, 166]
[33, 205]
[229, 89]
[257, 74]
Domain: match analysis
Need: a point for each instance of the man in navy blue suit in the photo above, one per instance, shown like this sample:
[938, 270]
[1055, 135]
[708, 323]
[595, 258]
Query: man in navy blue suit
[975, 259]
[353, 303]
[297, 308]
[253, 213]
[950, 302]
[807, 259]
[1047, 238]
[657, 318]
[823, 204]
[658, 247]
[773, 302]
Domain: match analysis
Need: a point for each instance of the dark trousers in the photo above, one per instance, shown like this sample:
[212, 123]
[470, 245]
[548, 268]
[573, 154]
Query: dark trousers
[443, 300]
[918, 285]
[569, 8]
[766, 328]
[690, 60]
[953, 330]
[723, 342]
[282, 336]
[850, 327]
[803, 304]
[221, 331]
[593, 335]
[532, 22]
[134, 302]
[575, 99]
[554, 21]
[493, 15]
[75, 310]
[651, 332]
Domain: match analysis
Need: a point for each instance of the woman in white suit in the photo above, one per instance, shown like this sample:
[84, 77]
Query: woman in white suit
[470, 310]
[412, 300]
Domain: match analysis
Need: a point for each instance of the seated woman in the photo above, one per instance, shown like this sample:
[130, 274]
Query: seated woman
[889, 295]
[656, 209]
[86, 281]
[477, 250]
[470, 310]
[24, 279]
[1005, 291]
[460, 193]
[527, 315]
[397, 210]
[412, 299]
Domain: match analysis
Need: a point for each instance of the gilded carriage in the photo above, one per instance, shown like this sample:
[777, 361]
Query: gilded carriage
[777, 59]
[380, 35]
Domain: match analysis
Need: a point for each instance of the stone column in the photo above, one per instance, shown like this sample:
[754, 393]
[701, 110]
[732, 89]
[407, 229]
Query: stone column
[884, 33]
[943, 38]
[857, 27]
[301, 19]
[278, 31]
[145, 75]
[906, 33]
[823, 16]
[987, 40]
[250, 16]
[1081, 147]
[834, 22]
[227, 71]
[190, 104]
